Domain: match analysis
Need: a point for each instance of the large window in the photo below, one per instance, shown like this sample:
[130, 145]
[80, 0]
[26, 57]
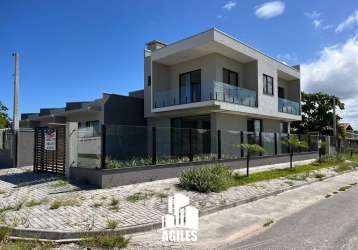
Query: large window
[230, 77]
[268, 84]
[190, 87]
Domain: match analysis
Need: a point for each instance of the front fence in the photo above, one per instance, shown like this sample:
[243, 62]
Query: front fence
[118, 146]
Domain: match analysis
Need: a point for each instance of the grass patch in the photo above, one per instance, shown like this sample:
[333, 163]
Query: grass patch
[58, 184]
[344, 188]
[298, 177]
[27, 245]
[65, 202]
[4, 233]
[343, 167]
[136, 197]
[278, 173]
[327, 196]
[105, 241]
[268, 223]
[219, 178]
[162, 196]
[114, 202]
[112, 224]
[33, 203]
[97, 204]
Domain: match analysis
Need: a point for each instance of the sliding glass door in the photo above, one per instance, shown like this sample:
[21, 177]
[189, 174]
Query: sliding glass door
[190, 87]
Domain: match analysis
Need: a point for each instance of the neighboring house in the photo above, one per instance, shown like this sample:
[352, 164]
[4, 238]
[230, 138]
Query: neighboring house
[347, 127]
[213, 81]
[110, 109]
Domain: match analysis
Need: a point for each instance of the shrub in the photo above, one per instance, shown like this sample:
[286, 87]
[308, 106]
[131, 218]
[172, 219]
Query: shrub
[206, 179]
[105, 241]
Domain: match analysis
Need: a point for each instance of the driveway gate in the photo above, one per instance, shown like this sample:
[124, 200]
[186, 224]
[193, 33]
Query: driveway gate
[50, 149]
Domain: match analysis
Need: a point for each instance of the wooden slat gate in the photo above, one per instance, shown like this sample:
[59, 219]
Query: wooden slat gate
[53, 160]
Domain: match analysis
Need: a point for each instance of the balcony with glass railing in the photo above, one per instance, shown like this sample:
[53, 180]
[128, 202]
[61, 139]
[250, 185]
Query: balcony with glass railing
[288, 106]
[216, 91]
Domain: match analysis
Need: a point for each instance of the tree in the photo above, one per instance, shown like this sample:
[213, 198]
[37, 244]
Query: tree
[250, 149]
[317, 113]
[295, 143]
[4, 119]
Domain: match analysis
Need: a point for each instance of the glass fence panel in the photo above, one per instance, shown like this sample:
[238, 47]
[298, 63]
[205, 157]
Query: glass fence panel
[88, 148]
[202, 141]
[268, 143]
[211, 91]
[233, 94]
[172, 145]
[128, 146]
[282, 146]
[288, 106]
[230, 141]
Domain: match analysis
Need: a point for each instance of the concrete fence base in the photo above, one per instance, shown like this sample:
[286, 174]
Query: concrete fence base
[105, 178]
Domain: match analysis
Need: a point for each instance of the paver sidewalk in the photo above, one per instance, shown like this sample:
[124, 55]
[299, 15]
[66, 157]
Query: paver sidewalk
[219, 230]
[26, 200]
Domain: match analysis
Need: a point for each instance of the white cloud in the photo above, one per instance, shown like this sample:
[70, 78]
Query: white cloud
[327, 27]
[336, 72]
[287, 58]
[317, 23]
[270, 9]
[219, 17]
[349, 22]
[313, 14]
[229, 5]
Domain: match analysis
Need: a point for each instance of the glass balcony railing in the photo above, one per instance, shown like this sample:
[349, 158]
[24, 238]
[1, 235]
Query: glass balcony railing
[287, 106]
[217, 91]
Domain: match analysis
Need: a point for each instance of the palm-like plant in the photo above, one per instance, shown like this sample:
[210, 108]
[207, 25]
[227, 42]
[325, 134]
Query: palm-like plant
[250, 149]
[295, 143]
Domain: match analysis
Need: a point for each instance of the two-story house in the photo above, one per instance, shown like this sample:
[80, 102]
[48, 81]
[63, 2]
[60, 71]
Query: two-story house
[212, 81]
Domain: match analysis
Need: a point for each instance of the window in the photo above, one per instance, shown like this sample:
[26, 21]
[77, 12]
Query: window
[230, 77]
[95, 126]
[190, 87]
[254, 125]
[281, 92]
[268, 85]
[284, 127]
[149, 80]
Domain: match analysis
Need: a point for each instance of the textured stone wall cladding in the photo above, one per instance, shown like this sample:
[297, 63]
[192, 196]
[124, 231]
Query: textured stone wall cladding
[118, 177]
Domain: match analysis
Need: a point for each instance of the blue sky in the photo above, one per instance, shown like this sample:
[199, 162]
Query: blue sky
[75, 50]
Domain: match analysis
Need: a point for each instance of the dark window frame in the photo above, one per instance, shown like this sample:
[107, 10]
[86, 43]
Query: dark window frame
[149, 81]
[266, 86]
[229, 72]
[191, 87]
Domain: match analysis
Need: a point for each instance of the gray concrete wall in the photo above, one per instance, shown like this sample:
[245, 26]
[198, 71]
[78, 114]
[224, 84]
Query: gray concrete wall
[26, 139]
[123, 110]
[118, 177]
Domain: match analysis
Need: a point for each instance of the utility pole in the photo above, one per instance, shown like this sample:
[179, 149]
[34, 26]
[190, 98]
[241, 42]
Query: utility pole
[334, 118]
[335, 124]
[16, 114]
[16, 110]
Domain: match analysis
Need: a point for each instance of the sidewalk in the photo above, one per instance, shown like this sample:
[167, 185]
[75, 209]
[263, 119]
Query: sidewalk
[217, 230]
[42, 206]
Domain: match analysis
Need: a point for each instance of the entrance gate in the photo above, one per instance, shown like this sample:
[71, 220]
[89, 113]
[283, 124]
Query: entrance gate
[50, 149]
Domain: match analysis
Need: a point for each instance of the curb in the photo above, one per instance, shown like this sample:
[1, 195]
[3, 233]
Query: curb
[73, 236]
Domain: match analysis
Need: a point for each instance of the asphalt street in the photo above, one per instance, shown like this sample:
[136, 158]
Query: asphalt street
[329, 224]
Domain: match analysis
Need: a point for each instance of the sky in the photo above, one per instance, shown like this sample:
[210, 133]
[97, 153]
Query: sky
[74, 50]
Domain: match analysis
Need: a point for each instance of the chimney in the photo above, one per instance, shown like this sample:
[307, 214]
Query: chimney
[155, 45]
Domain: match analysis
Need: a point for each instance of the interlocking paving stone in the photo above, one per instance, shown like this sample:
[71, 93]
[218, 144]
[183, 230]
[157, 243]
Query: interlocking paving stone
[90, 211]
